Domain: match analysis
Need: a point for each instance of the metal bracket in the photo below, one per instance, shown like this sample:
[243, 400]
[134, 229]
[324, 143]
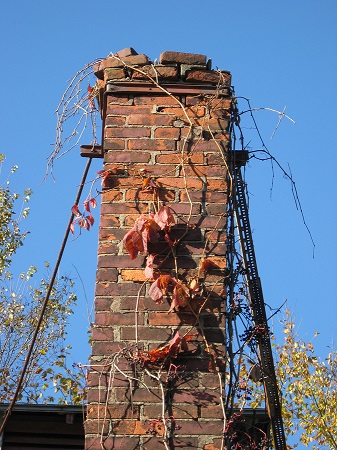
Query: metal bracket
[92, 151]
[174, 88]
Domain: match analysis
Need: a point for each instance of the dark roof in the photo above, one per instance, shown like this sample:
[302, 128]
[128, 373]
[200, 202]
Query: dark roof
[43, 427]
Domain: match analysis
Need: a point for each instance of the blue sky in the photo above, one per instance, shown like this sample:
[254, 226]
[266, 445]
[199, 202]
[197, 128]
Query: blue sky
[279, 53]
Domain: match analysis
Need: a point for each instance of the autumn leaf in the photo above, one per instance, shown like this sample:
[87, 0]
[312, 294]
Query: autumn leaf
[90, 219]
[155, 291]
[104, 174]
[179, 297]
[149, 266]
[93, 202]
[84, 223]
[164, 217]
[75, 210]
[160, 286]
[144, 230]
[87, 205]
[133, 243]
[168, 240]
[170, 350]
[149, 185]
[206, 265]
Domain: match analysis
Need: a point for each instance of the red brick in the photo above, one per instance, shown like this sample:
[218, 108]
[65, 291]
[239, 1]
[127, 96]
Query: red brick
[151, 144]
[107, 248]
[139, 395]
[136, 275]
[206, 76]
[127, 157]
[182, 443]
[119, 99]
[108, 275]
[97, 395]
[107, 319]
[159, 318]
[102, 334]
[112, 62]
[104, 348]
[126, 110]
[168, 57]
[111, 196]
[202, 171]
[153, 119]
[200, 427]
[160, 72]
[138, 195]
[185, 208]
[217, 185]
[212, 412]
[96, 427]
[103, 304]
[114, 144]
[115, 121]
[129, 426]
[197, 397]
[128, 51]
[167, 133]
[117, 443]
[114, 74]
[109, 221]
[145, 334]
[179, 183]
[194, 158]
[113, 411]
[130, 132]
[99, 379]
[162, 100]
[212, 446]
[112, 289]
[124, 208]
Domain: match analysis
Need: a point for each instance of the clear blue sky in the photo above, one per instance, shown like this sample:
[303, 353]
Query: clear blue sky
[280, 54]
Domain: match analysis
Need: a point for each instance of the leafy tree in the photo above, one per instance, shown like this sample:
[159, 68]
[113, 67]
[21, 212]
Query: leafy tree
[309, 389]
[49, 377]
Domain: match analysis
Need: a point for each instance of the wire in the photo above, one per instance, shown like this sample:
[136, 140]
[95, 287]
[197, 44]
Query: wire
[44, 306]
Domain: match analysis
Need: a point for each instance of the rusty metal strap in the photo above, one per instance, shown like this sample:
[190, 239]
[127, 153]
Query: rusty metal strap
[176, 88]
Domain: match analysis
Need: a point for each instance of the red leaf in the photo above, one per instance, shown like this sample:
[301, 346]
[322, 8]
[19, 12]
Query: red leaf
[90, 219]
[171, 350]
[149, 266]
[168, 240]
[179, 297]
[93, 202]
[165, 280]
[104, 174]
[149, 185]
[133, 243]
[75, 210]
[87, 205]
[175, 342]
[90, 89]
[206, 265]
[72, 228]
[84, 223]
[164, 218]
[155, 291]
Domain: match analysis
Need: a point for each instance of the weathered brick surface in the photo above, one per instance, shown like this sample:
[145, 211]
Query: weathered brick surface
[152, 139]
[180, 57]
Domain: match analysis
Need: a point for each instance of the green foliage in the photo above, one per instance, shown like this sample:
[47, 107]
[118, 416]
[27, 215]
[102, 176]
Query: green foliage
[49, 377]
[309, 387]
[10, 235]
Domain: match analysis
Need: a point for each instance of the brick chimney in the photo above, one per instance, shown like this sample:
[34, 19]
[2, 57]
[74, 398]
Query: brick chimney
[159, 335]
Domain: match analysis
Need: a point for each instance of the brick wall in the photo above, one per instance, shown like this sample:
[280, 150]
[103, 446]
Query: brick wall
[155, 379]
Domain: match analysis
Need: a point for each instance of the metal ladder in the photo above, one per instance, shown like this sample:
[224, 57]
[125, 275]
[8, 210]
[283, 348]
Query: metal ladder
[258, 310]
